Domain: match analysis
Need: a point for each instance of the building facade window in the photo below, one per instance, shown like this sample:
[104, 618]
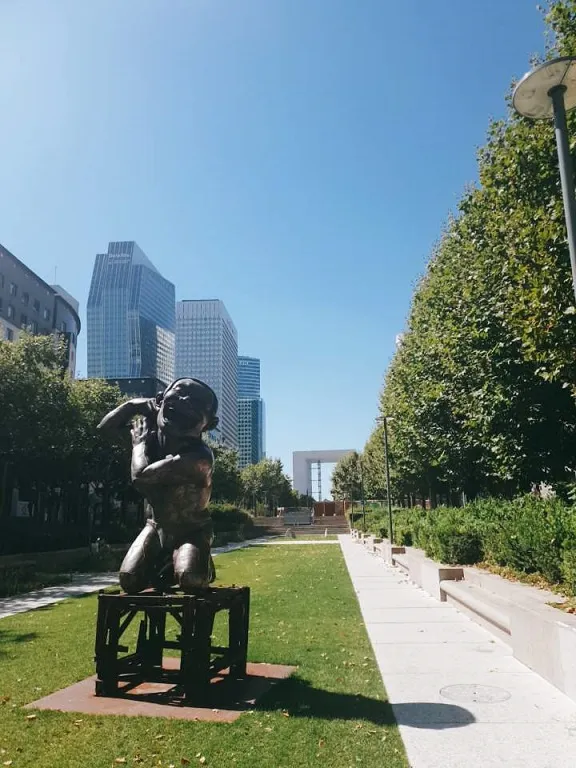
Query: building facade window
[46, 314]
[23, 321]
[131, 317]
[207, 348]
[9, 334]
[13, 289]
[10, 312]
[36, 305]
[34, 326]
[25, 298]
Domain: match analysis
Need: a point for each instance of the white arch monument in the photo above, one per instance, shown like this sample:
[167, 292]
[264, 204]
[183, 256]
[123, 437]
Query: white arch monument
[302, 462]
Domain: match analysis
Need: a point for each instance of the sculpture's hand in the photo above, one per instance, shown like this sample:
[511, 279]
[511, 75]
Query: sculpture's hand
[141, 431]
[123, 415]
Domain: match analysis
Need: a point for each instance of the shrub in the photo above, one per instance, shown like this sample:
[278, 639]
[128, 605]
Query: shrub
[405, 523]
[451, 536]
[568, 564]
[228, 518]
[529, 535]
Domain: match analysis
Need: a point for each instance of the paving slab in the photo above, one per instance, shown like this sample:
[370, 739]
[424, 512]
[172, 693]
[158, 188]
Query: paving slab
[393, 598]
[480, 744]
[454, 632]
[459, 696]
[483, 657]
[408, 614]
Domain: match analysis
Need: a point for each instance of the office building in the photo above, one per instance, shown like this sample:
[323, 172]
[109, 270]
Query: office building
[251, 429]
[251, 412]
[248, 376]
[138, 387]
[131, 317]
[207, 349]
[28, 303]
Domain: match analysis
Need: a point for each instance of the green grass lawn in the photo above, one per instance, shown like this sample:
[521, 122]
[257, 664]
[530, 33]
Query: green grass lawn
[311, 537]
[332, 712]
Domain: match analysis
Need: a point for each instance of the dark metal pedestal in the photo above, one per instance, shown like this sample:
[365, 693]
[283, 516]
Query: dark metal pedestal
[200, 661]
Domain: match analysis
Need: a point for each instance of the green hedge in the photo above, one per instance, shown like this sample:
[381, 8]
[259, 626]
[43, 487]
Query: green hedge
[527, 534]
[230, 523]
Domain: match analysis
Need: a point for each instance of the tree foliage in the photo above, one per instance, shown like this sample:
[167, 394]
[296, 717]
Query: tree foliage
[226, 482]
[347, 478]
[482, 386]
[48, 427]
[266, 483]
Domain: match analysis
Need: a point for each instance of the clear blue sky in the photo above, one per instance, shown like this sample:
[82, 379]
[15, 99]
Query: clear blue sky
[296, 158]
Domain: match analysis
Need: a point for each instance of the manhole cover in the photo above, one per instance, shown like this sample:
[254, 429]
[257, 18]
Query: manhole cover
[480, 694]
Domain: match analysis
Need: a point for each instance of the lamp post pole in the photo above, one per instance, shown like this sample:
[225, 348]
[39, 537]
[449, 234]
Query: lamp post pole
[388, 497]
[549, 91]
[362, 495]
[566, 172]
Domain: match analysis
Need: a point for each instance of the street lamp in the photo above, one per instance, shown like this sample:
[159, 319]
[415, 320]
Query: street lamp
[549, 91]
[385, 420]
[362, 495]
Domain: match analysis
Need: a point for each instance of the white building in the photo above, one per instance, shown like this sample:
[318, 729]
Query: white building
[207, 349]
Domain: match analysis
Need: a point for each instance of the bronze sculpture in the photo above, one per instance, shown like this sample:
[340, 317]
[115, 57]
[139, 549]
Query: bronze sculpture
[172, 468]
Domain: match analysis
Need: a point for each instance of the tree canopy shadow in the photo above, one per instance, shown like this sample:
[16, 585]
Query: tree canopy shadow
[300, 699]
[9, 636]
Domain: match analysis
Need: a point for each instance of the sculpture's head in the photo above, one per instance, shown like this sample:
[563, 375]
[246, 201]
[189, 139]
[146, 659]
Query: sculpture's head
[187, 408]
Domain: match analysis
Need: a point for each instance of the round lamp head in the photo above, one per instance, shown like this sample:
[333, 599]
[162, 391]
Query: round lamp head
[531, 96]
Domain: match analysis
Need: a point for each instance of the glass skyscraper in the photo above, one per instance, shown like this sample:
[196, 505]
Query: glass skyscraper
[248, 376]
[130, 317]
[207, 349]
[251, 412]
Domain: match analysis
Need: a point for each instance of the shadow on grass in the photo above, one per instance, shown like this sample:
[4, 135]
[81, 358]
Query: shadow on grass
[8, 637]
[300, 699]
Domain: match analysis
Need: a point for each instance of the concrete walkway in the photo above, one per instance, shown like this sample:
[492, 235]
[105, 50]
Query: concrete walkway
[81, 584]
[459, 696]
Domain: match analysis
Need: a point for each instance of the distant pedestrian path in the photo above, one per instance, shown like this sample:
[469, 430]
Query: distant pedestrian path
[81, 584]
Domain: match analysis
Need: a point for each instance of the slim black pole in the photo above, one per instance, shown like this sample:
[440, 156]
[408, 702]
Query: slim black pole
[390, 524]
[566, 172]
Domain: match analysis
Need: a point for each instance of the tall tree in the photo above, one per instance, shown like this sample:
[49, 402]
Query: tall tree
[267, 483]
[347, 478]
[482, 387]
[227, 482]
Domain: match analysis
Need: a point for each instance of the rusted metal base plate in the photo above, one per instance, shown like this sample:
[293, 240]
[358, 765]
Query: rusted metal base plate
[227, 699]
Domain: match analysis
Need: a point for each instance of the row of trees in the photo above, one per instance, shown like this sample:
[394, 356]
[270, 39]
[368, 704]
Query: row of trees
[481, 389]
[259, 487]
[57, 469]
